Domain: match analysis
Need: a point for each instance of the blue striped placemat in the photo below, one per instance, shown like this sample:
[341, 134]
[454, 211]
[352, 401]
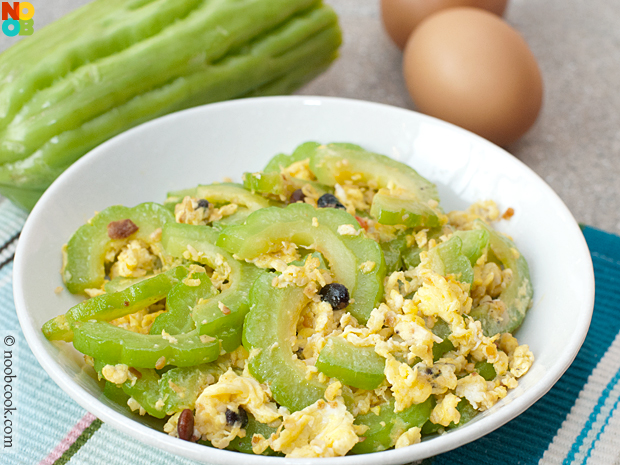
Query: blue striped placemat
[576, 422]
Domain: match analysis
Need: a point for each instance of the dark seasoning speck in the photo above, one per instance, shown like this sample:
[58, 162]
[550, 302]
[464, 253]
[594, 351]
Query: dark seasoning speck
[297, 196]
[233, 417]
[203, 203]
[329, 201]
[336, 295]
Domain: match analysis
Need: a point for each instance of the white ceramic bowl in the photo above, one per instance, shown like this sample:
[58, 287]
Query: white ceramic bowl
[205, 144]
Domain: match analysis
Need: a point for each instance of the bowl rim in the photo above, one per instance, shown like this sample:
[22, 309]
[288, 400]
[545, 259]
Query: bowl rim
[161, 440]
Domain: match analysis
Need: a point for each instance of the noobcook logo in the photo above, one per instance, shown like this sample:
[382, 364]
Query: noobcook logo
[17, 18]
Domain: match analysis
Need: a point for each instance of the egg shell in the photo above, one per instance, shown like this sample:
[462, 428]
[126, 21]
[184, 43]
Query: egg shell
[401, 17]
[469, 67]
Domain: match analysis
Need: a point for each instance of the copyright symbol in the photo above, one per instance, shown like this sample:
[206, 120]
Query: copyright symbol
[9, 340]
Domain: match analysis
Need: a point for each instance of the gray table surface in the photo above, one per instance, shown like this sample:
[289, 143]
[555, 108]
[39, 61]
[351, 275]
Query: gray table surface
[575, 144]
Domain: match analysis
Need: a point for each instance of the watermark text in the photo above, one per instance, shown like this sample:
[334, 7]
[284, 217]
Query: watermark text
[8, 385]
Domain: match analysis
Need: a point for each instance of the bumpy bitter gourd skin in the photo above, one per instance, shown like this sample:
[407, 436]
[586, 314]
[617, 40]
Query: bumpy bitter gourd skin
[271, 181]
[473, 243]
[275, 184]
[231, 193]
[267, 228]
[92, 74]
[282, 160]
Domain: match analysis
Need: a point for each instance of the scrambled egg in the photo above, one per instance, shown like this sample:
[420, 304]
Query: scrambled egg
[141, 321]
[91, 292]
[299, 170]
[316, 322]
[480, 393]
[221, 273]
[189, 211]
[221, 268]
[408, 385]
[348, 230]
[311, 195]
[355, 196]
[218, 213]
[409, 437]
[445, 411]
[134, 405]
[134, 261]
[486, 211]
[521, 361]
[367, 266]
[323, 429]
[229, 393]
[489, 281]
[116, 374]
[278, 258]
[309, 276]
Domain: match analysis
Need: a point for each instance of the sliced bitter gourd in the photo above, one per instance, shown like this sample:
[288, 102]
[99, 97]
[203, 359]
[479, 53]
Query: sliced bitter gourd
[447, 259]
[359, 367]
[107, 307]
[516, 297]
[180, 301]
[114, 345]
[302, 152]
[386, 427]
[404, 197]
[265, 230]
[474, 243]
[267, 333]
[219, 194]
[84, 259]
[226, 310]
[278, 185]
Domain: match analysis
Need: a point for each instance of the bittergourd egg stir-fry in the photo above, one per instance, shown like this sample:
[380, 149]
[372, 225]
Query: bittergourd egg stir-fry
[326, 306]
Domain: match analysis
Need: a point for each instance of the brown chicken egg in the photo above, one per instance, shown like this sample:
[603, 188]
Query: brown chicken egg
[400, 17]
[468, 67]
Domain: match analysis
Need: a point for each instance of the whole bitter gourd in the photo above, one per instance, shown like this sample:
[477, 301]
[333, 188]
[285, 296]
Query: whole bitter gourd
[114, 64]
